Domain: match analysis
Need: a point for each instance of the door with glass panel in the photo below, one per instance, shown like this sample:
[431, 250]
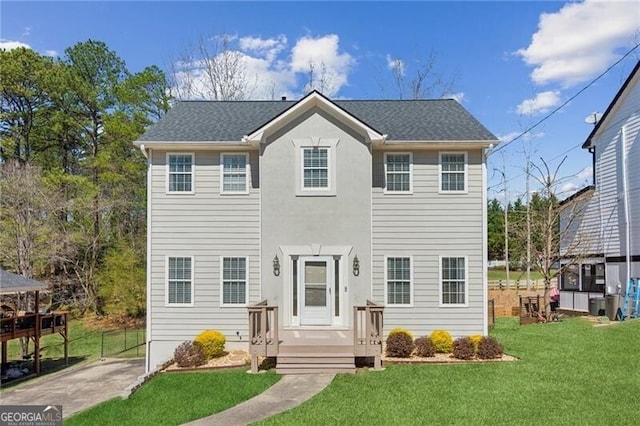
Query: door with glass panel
[315, 290]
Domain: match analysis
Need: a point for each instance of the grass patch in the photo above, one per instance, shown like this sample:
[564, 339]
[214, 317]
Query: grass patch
[175, 398]
[501, 274]
[569, 373]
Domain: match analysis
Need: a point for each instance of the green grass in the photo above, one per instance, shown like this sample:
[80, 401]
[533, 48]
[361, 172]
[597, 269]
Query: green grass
[501, 274]
[175, 398]
[569, 373]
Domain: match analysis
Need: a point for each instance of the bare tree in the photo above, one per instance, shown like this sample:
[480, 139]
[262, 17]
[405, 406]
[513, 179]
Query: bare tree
[211, 70]
[420, 81]
[322, 80]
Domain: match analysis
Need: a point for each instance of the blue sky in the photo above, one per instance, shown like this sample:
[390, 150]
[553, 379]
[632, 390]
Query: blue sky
[514, 62]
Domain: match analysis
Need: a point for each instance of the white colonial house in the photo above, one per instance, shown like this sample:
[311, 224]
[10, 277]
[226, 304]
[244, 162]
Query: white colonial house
[294, 226]
[602, 250]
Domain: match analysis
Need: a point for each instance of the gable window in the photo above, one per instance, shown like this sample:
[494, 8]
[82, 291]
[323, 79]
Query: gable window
[453, 277]
[315, 165]
[453, 172]
[398, 170]
[180, 173]
[234, 280]
[399, 281]
[235, 173]
[180, 281]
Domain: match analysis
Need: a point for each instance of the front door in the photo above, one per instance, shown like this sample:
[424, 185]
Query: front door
[315, 290]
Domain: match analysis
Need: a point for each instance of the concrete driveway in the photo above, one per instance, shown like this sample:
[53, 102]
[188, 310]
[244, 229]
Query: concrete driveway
[77, 388]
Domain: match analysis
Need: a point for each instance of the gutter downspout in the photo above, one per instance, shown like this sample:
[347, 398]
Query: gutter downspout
[485, 233]
[627, 213]
[147, 155]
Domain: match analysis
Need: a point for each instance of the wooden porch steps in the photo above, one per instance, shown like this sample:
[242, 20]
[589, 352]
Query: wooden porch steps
[316, 351]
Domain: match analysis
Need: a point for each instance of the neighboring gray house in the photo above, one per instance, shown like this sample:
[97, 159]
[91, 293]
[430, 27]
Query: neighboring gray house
[603, 248]
[315, 206]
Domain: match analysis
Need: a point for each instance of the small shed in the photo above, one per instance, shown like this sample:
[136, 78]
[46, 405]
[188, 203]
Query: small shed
[30, 324]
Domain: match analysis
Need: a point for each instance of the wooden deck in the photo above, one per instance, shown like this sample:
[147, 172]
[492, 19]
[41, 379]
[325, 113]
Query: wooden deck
[27, 325]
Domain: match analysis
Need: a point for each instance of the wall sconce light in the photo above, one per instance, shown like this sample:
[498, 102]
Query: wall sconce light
[356, 266]
[276, 266]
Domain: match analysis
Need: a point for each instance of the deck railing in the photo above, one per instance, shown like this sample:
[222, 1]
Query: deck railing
[263, 332]
[367, 331]
[27, 325]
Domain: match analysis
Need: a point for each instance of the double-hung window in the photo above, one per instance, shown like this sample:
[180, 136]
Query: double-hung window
[180, 173]
[453, 172]
[453, 281]
[398, 170]
[234, 281]
[399, 281]
[235, 173]
[315, 168]
[179, 281]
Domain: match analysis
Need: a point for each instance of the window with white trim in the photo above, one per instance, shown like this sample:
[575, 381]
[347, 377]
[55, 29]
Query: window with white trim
[180, 172]
[453, 171]
[398, 169]
[180, 280]
[235, 173]
[315, 167]
[399, 280]
[453, 275]
[234, 280]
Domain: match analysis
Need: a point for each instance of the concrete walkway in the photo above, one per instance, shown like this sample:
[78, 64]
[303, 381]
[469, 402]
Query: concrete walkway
[289, 392]
[77, 388]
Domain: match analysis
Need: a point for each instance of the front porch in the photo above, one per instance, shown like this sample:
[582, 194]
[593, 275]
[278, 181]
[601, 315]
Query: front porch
[317, 349]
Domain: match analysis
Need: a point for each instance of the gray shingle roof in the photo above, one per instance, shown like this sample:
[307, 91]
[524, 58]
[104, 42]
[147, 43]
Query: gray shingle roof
[401, 120]
[13, 283]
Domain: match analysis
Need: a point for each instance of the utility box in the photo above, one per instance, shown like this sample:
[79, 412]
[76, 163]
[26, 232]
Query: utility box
[611, 305]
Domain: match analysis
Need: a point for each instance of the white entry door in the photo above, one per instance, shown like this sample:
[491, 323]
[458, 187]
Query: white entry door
[315, 290]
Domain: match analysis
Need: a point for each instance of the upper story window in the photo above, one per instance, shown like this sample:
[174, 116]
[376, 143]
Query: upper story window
[399, 280]
[453, 172]
[315, 164]
[398, 172]
[453, 281]
[180, 281]
[180, 173]
[235, 174]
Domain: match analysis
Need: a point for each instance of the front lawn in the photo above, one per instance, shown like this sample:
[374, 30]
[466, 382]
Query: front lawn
[176, 398]
[569, 373]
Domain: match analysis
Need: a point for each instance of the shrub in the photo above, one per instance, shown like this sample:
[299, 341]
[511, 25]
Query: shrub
[399, 345]
[463, 348]
[400, 330]
[212, 342]
[442, 341]
[476, 339]
[489, 348]
[189, 354]
[424, 347]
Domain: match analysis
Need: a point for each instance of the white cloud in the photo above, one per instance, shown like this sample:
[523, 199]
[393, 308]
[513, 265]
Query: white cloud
[529, 136]
[272, 69]
[585, 173]
[323, 54]
[11, 44]
[580, 40]
[568, 187]
[51, 53]
[459, 96]
[26, 31]
[542, 103]
[396, 65]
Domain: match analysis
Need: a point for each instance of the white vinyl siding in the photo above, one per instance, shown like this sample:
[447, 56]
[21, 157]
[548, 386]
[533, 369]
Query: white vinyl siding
[179, 290]
[315, 168]
[453, 172]
[453, 281]
[235, 173]
[398, 172]
[398, 281]
[180, 176]
[234, 281]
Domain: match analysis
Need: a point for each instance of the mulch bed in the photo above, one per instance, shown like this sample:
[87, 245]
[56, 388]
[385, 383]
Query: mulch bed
[442, 359]
[232, 359]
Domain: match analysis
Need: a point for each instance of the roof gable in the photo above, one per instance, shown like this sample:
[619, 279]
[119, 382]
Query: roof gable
[313, 100]
[632, 80]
